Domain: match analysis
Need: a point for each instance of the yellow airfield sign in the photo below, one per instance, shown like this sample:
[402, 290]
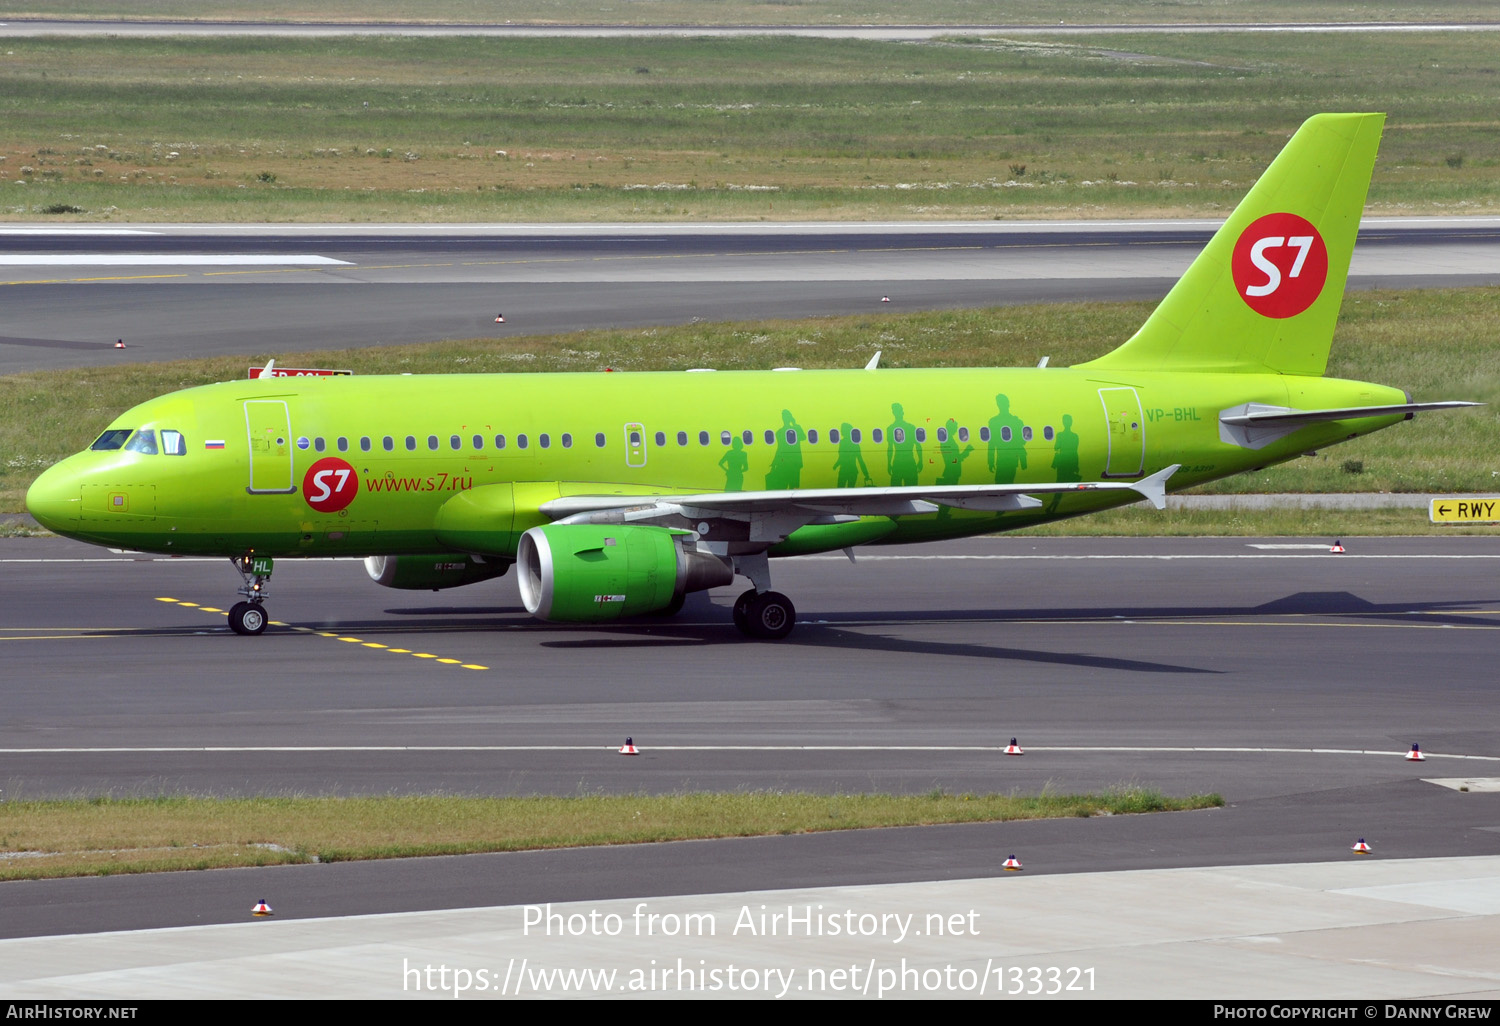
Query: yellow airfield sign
[1465, 511]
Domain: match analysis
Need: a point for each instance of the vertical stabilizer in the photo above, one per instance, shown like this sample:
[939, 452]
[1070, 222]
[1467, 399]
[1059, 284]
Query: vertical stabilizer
[1265, 292]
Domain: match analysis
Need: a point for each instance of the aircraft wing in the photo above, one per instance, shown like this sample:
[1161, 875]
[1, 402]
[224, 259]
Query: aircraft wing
[818, 502]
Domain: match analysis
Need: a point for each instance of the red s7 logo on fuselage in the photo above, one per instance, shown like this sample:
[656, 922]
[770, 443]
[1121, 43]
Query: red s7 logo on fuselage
[1280, 265]
[330, 485]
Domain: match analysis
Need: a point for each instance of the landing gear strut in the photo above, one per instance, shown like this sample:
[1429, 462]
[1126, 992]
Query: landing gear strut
[249, 617]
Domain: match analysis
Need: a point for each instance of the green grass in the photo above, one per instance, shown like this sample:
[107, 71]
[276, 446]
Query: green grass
[757, 12]
[102, 836]
[1438, 343]
[377, 129]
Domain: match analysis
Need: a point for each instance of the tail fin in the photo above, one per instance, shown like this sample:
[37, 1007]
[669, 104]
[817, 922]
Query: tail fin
[1265, 292]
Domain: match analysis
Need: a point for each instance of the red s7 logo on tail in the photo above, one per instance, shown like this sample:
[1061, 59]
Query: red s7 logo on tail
[329, 485]
[1280, 265]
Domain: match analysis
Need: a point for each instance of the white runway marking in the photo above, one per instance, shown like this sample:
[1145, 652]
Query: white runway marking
[76, 231]
[1291, 545]
[167, 260]
[997, 749]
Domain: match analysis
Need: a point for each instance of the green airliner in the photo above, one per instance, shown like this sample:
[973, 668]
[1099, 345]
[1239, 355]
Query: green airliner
[617, 494]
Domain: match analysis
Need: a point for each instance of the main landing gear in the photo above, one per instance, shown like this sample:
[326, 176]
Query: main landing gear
[761, 612]
[249, 617]
[764, 614]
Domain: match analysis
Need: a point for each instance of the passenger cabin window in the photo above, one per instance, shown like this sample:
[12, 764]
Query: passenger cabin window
[833, 436]
[876, 435]
[432, 442]
[942, 434]
[343, 444]
[748, 436]
[172, 443]
[142, 441]
[1047, 432]
[702, 437]
[812, 435]
[112, 439]
[478, 442]
[984, 434]
[567, 440]
[499, 441]
[1026, 434]
[599, 440]
[963, 434]
[544, 440]
[318, 443]
[1005, 434]
[455, 443]
[520, 441]
[854, 435]
[724, 437]
[661, 439]
[682, 438]
[921, 434]
[411, 443]
[388, 443]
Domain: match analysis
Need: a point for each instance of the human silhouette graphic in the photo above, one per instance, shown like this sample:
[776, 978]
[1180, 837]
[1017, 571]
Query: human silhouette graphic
[950, 456]
[903, 455]
[735, 463]
[1007, 451]
[786, 465]
[849, 463]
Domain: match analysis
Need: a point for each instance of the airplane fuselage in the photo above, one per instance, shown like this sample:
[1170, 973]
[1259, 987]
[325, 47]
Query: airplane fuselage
[363, 465]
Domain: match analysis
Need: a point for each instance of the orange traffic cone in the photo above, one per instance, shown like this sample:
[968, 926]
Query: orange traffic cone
[1415, 755]
[119, 343]
[885, 299]
[261, 909]
[1013, 748]
[629, 748]
[1360, 847]
[1337, 546]
[499, 318]
[1012, 864]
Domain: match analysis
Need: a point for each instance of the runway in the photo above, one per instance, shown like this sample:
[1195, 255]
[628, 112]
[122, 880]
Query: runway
[1290, 681]
[172, 292]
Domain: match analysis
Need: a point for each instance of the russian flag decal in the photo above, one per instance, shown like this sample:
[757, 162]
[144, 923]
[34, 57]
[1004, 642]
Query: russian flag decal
[217, 443]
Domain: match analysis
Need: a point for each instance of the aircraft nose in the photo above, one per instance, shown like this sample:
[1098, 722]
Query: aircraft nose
[54, 499]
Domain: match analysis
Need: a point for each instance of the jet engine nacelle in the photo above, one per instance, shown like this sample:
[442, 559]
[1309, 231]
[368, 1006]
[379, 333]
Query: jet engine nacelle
[443, 570]
[588, 572]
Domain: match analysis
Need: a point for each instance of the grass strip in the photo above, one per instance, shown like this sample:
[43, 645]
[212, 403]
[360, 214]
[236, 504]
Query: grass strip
[104, 836]
[1437, 343]
[755, 12]
[651, 128]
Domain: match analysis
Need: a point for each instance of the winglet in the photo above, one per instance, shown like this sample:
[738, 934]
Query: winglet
[1154, 488]
[874, 361]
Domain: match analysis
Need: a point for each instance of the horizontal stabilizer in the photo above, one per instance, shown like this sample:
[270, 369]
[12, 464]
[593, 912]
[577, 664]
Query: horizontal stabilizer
[1256, 425]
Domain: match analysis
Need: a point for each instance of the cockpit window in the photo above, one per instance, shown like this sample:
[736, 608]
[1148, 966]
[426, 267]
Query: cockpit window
[142, 441]
[172, 443]
[110, 440]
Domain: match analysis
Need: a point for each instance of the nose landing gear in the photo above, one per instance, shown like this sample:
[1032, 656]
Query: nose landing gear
[249, 617]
